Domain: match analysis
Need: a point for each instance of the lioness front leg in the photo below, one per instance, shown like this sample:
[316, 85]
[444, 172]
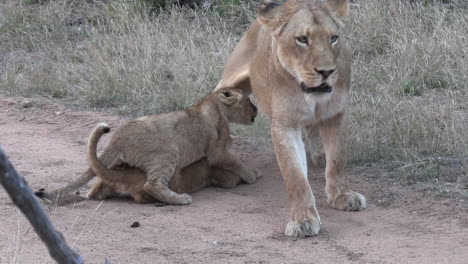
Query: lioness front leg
[339, 196]
[160, 173]
[290, 153]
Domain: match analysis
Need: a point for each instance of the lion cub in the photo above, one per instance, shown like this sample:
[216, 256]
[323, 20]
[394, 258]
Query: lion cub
[128, 180]
[149, 154]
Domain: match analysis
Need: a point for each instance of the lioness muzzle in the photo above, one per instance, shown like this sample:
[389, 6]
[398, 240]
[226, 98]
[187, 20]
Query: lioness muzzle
[323, 88]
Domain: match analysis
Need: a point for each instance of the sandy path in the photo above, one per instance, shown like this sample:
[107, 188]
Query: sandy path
[45, 141]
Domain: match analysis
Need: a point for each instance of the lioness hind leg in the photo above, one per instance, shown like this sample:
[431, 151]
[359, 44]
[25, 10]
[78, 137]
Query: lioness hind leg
[314, 147]
[159, 176]
[339, 195]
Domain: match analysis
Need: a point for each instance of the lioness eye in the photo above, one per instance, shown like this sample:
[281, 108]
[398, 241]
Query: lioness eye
[302, 40]
[334, 39]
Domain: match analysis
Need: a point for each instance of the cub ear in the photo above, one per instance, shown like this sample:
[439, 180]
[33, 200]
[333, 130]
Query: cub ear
[267, 13]
[230, 96]
[338, 8]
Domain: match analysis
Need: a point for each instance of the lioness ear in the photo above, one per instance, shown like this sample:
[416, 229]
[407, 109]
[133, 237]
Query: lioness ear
[229, 97]
[267, 12]
[338, 8]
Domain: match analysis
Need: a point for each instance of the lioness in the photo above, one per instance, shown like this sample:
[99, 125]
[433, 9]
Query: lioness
[295, 62]
[162, 145]
[128, 180]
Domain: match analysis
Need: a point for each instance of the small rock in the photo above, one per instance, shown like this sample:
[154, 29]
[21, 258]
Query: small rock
[27, 104]
[135, 224]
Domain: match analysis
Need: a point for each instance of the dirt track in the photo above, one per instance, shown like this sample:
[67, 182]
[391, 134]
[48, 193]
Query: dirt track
[45, 141]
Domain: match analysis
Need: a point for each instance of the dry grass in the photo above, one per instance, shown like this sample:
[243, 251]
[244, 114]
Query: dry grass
[410, 63]
[410, 80]
[114, 56]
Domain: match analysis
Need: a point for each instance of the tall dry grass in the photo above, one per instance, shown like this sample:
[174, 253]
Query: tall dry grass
[410, 65]
[114, 55]
[410, 80]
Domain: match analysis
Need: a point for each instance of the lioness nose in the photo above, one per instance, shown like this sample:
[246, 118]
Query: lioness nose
[325, 73]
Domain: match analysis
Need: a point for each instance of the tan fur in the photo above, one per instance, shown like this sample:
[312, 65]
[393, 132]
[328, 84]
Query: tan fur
[300, 74]
[169, 147]
[115, 180]
[127, 180]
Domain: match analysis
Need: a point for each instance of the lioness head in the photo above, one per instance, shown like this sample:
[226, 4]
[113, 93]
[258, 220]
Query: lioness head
[306, 39]
[237, 106]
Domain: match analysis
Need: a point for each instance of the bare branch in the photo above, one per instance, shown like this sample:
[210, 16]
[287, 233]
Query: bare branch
[21, 194]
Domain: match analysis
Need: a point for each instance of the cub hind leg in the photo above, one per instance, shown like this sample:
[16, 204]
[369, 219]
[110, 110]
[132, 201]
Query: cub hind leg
[101, 190]
[224, 178]
[160, 172]
[143, 197]
[192, 178]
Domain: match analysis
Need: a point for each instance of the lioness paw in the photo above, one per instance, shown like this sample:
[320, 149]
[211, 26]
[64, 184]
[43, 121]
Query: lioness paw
[349, 201]
[307, 228]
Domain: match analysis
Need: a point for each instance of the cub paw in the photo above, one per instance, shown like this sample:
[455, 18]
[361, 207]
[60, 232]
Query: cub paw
[181, 199]
[306, 228]
[251, 177]
[257, 174]
[349, 201]
[95, 196]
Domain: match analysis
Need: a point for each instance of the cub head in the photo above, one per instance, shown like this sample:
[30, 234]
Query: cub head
[306, 39]
[236, 106]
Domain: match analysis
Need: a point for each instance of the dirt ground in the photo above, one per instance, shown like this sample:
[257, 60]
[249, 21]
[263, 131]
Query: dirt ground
[46, 143]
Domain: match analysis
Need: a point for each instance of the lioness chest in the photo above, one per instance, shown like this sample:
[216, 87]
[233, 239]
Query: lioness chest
[288, 104]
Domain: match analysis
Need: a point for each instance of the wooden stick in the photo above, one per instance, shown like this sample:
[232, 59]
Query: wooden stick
[22, 196]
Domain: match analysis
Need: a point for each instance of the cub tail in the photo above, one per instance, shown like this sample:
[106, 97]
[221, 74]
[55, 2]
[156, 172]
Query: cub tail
[96, 165]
